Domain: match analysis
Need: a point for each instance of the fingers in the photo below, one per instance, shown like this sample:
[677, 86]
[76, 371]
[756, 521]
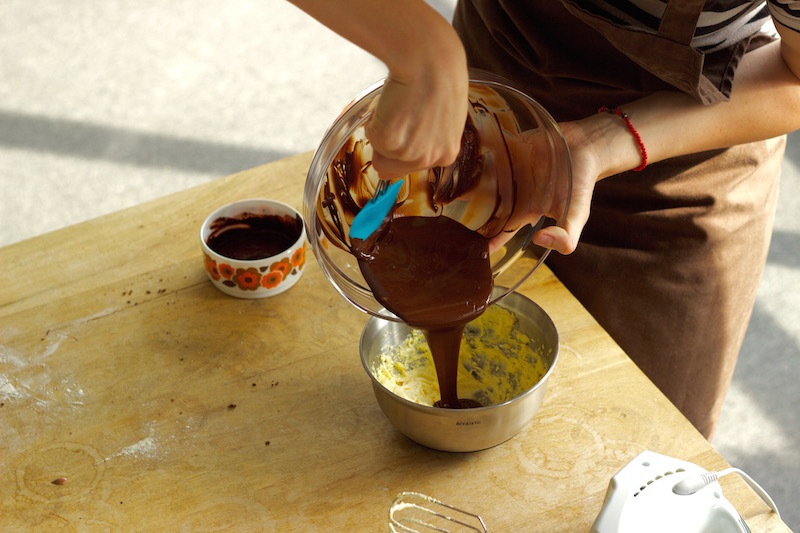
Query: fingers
[396, 153]
[417, 126]
[586, 159]
[550, 237]
[565, 239]
[499, 240]
[555, 238]
[388, 168]
[409, 156]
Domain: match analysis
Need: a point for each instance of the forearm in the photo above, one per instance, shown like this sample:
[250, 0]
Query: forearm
[419, 118]
[765, 103]
[407, 35]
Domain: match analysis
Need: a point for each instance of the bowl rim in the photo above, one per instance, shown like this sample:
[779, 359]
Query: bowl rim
[216, 213]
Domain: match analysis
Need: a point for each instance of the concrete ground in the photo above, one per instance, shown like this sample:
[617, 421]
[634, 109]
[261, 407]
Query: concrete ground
[106, 104]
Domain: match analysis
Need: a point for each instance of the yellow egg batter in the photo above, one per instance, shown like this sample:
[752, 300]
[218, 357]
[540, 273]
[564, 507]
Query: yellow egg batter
[497, 362]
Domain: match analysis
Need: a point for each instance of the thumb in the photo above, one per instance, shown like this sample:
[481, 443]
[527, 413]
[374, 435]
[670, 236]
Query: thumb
[565, 239]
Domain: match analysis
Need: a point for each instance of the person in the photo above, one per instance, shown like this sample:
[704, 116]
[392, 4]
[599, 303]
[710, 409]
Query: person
[674, 189]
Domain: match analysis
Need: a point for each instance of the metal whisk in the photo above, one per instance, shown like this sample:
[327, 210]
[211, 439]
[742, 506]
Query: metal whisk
[416, 513]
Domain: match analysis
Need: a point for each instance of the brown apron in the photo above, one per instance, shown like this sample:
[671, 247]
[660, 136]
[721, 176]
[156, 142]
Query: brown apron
[670, 260]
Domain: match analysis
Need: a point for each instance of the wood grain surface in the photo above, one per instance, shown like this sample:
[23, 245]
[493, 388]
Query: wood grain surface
[137, 397]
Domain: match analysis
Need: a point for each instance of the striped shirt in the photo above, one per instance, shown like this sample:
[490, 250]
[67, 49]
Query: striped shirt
[721, 24]
[787, 12]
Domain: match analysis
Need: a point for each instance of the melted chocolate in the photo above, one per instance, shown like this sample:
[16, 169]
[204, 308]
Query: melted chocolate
[429, 265]
[478, 189]
[434, 274]
[250, 236]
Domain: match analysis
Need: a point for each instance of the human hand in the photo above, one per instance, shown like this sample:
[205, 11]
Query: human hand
[421, 111]
[541, 196]
[418, 122]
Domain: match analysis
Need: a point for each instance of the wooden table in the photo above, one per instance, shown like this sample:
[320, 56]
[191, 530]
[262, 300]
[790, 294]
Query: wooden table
[168, 406]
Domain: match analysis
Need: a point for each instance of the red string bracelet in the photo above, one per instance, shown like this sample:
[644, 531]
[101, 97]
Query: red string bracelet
[624, 116]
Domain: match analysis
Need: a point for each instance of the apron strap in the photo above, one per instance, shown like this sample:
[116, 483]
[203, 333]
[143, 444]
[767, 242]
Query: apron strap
[667, 54]
[679, 20]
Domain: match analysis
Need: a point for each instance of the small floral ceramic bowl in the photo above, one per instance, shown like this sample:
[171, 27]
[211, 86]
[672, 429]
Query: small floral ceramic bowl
[254, 248]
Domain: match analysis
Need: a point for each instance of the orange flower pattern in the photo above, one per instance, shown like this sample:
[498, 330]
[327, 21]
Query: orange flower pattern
[250, 279]
[226, 271]
[299, 258]
[272, 279]
[211, 267]
[283, 266]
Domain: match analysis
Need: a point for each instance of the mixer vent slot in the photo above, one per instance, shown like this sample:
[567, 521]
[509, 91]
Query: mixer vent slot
[651, 481]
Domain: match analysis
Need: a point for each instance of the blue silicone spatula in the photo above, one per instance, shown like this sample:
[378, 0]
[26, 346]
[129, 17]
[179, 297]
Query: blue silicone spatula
[374, 212]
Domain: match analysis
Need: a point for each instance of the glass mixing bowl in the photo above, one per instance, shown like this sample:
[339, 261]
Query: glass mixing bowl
[518, 145]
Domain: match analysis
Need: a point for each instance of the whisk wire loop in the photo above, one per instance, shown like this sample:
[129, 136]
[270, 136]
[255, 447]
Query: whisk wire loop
[413, 509]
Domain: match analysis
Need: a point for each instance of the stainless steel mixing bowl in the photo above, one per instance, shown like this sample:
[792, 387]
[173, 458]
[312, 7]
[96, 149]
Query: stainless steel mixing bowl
[462, 430]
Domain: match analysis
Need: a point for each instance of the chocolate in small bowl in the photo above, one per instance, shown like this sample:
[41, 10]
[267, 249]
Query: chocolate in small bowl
[251, 236]
[254, 248]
